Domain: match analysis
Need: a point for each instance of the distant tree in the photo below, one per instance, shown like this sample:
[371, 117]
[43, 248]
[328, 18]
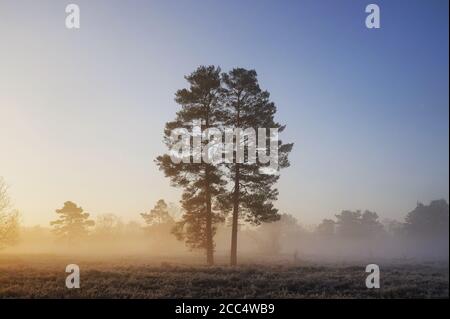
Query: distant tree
[393, 227]
[9, 218]
[108, 225]
[72, 223]
[271, 235]
[429, 220]
[348, 224]
[246, 106]
[201, 181]
[370, 225]
[326, 228]
[358, 224]
[159, 222]
[158, 215]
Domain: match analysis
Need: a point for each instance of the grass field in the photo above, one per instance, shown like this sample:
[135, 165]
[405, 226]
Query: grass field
[44, 277]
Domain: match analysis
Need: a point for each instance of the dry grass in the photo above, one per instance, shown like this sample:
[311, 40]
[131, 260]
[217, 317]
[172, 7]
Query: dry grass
[44, 277]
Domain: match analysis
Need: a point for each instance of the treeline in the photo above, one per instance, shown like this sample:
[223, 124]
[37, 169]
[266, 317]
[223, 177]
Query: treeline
[424, 233]
[425, 221]
[76, 231]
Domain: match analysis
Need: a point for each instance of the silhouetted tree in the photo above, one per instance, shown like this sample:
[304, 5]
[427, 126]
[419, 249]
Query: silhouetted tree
[158, 221]
[428, 220]
[358, 225]
[191, 227]
[158, 215]
[252, 194]
[348, 224]
[201, 181]
[9, 218]
[72, 223]
[326, 228]
[370, 225]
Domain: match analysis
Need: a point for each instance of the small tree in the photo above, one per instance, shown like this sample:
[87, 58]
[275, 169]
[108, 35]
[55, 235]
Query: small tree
[326, 228]
[159, 222]
[370, 225]
[158, 215]
[73, 223]
[349, 224]
[428, 220]
[9, 219]
[358, 224]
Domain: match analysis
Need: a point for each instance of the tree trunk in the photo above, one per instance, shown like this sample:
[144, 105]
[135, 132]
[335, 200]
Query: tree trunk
[236, 194]
[234, 229]
[208, 231]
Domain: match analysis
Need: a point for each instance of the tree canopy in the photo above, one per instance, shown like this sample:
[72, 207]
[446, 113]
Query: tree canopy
[72, 223]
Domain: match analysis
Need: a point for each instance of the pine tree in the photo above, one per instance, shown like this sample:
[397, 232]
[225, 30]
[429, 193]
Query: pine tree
[158, 215]
[201, 181]
[159, 222]
[246, 106]
[72, 223]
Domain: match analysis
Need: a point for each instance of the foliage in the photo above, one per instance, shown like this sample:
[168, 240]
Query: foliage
[159, 215]
[201, 181]
[429, 220]
[73, 223]
[357, 224]
[9, 219]
[326, 228]
[251, 194]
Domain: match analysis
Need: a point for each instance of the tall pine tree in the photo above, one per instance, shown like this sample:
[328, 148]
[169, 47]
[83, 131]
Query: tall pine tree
[201, 181]
[246, 106]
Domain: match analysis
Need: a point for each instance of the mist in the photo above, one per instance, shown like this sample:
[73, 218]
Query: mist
[348, 237]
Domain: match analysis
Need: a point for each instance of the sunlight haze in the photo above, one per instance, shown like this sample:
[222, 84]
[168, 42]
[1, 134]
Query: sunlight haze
[82, 113]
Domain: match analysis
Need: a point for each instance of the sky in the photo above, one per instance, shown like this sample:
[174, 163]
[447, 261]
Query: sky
[82, 111]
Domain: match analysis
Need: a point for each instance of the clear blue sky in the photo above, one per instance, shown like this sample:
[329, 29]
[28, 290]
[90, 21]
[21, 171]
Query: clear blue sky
[82, 112]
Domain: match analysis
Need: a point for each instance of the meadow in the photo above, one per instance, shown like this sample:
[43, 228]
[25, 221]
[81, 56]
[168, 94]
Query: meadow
[43, 276]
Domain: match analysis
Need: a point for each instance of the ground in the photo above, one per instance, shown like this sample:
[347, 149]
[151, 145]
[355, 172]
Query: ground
[44, 276]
